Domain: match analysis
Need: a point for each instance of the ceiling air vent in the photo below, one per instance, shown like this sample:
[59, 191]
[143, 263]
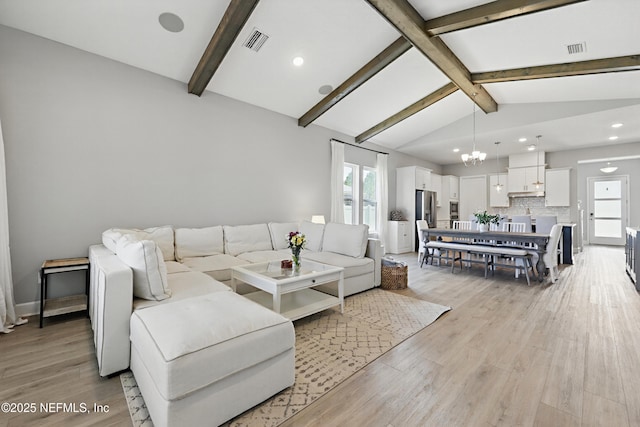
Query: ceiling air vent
[577, 48]
[255, 40]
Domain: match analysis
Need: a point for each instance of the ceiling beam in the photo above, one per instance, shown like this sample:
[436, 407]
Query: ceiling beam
[483, 14]
[377, 64]
[594, 66]
[490, 12]
[411, 25]
[420, 105]
[230, 26]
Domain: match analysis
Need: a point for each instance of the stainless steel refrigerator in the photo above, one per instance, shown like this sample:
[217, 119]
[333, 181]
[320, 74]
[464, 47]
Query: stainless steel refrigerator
[426, 208]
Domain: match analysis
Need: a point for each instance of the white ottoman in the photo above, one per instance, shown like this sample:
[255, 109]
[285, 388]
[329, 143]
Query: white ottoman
[206, 359]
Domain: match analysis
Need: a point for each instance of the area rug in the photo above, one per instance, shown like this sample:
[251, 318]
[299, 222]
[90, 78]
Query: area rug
[330, 347]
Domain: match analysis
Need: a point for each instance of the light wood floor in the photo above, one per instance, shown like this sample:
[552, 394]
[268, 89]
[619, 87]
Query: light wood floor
[566, 354]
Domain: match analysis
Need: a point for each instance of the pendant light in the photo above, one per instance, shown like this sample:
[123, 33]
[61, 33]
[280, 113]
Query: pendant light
[498, 185]
[538, 184]
[476, 157]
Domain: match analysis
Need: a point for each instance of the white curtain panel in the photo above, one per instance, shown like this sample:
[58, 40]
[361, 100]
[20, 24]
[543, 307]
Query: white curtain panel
[8, 317]
[382, 188]
[337, 182]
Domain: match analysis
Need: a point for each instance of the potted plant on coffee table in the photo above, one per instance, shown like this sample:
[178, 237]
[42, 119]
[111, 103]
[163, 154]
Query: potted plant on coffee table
[484, 219]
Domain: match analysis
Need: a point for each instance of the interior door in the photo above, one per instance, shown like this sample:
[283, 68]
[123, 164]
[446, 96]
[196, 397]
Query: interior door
[607, 210]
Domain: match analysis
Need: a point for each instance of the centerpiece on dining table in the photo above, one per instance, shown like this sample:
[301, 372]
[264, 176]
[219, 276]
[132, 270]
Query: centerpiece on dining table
[484, 219]
[296, 242]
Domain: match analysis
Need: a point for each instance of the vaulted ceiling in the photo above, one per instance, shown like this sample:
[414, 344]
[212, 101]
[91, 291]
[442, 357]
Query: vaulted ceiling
[407, 75]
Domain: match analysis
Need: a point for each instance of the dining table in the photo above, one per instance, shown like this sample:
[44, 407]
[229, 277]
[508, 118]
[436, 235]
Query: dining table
[536, 242]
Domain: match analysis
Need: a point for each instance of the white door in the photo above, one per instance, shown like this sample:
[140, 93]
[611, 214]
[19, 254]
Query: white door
[607, 210]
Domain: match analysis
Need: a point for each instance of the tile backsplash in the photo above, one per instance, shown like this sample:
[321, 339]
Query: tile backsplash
[519, 206]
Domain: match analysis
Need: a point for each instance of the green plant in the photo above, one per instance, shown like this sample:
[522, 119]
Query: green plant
[485, 218]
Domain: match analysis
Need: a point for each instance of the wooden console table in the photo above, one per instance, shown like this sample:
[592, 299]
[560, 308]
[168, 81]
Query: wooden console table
[70, 304]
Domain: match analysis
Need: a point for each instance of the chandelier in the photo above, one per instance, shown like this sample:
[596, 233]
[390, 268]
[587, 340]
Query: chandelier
[476, 156]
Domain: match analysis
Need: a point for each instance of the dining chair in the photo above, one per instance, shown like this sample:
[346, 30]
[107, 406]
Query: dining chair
[421, 225]
[545, 223]
[523, 218]
[550, 256]
[463, 225]
[514, 227]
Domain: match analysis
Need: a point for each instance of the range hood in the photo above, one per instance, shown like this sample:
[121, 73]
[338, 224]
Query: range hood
[526, 194]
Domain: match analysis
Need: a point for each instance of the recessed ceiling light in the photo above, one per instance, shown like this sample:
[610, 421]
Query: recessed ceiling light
[298, 61]
[325, 89]
[522, 140]
[455, 150]
[613, 138]
[616, 125]
[531, 147]
[171, 22]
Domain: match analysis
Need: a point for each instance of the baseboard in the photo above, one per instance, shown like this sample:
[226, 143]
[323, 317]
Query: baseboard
[28, 309]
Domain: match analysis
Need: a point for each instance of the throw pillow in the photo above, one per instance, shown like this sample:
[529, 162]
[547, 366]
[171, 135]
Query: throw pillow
[163, 236]
[148, 267]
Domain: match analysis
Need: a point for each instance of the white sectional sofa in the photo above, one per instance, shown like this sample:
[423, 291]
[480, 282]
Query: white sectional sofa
[160, 304]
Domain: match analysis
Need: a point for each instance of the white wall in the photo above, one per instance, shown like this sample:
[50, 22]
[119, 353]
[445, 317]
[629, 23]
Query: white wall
[92, 143]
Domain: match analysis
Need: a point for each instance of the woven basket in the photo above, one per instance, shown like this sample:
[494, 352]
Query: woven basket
[394, 276]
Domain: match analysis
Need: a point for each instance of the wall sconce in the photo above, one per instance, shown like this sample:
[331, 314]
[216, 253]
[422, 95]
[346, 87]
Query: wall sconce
[317, 219]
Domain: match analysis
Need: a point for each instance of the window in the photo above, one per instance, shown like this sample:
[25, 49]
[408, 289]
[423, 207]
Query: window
[369, 199]
[360, 196]
[350, 193]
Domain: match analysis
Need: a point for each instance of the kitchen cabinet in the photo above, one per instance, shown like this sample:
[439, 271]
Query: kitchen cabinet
[400, 240]
[423, 179]
[450, 188]
[498, 198]
[557, 183]
[521, 179]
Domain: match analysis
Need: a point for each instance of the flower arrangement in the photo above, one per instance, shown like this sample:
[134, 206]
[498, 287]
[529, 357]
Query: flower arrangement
[485, 218]
[296, 242]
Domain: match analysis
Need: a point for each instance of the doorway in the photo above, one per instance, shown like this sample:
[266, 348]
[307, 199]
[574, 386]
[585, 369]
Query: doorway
[608, 209]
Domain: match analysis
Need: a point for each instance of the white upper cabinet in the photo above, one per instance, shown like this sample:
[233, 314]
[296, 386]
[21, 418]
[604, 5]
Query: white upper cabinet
[498, 198]
[450, 188]
[524, 170]
[423, 179]
[522, 179]
[558, 184]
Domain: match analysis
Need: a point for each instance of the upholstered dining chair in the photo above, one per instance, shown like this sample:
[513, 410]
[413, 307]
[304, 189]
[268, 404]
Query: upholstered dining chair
[421, 225]
[550, 256]
[545, 223]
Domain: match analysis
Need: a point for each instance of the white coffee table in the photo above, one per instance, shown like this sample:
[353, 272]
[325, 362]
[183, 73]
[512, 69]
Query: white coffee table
[289, 293]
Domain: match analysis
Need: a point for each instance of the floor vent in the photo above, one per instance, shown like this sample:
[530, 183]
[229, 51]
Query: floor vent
[255, 40]
[577, 48]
